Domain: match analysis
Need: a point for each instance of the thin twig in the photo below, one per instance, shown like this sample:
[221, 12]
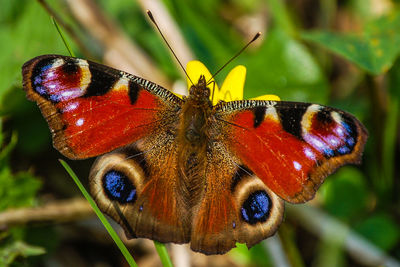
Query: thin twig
[60, 211]
[120, 51]
[180, 255]
[274, 246]
[169, 29]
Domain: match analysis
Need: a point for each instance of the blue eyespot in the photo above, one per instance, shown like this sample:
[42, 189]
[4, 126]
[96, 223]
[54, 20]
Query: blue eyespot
[37, 76]
[329, 152]
[256, 208]
[347, 127]
[343, 150]
[118, 187]
[350, 141]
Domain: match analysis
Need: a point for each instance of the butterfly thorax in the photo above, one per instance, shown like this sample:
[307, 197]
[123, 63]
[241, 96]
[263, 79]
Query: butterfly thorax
[200, 92]
[195, 113]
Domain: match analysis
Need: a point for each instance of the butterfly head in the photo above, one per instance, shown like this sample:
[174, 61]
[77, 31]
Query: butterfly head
[200, 91]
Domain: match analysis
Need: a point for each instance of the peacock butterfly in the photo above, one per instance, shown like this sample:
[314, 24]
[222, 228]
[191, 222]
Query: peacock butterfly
[182, 169]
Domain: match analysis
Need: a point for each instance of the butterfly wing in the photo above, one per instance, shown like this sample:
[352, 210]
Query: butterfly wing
[258, 153]
[138, 187]
[264, 152]
[236, 205]
[93, 109]
[291, 146]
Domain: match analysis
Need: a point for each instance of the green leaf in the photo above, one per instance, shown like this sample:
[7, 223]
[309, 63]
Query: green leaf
[16, 190]
[6, 150]
[24, 36]
[213, 45]
[10, 251]
[374, 50]
[285, 67]
[382, 230]
[255, 256]
[345, 194]
[329, 254]
[281, 16]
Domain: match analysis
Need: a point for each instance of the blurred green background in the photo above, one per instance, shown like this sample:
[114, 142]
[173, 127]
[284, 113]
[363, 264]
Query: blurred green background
[341, 53]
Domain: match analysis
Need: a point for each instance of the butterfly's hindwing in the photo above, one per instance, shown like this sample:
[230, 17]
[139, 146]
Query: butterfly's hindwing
[138, 187]
[93, 109]
[236, 206]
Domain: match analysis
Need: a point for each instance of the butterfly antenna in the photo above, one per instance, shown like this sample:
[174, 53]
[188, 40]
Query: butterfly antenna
[165, 40]
[235, 56]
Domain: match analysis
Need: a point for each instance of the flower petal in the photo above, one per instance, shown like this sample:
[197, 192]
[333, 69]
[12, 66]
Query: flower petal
[267, 97]
[232, 88]
[195, 69]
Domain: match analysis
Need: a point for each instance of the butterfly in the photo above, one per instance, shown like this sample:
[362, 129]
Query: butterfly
[184, 170]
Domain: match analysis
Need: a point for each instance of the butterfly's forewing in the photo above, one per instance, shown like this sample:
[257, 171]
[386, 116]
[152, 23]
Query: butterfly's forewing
[291, 146]
[93, 109]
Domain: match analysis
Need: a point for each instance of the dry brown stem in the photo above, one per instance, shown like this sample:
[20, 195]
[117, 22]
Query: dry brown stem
[60, 211]
[120, 51]
[169, 29]
[332, 230]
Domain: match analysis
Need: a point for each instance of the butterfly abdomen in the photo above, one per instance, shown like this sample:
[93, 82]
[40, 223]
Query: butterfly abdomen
[192, 135]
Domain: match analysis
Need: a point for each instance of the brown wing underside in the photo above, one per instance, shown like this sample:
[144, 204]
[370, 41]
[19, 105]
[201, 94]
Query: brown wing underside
[161, 209]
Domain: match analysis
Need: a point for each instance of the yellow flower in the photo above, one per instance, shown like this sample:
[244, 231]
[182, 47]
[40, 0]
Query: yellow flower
[232, 87]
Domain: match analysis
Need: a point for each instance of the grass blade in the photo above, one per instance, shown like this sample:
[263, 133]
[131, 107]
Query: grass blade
[102, 218]
[71, 53]
[163, 253]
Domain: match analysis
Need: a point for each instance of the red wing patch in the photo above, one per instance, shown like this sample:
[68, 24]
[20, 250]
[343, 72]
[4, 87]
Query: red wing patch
[93, 109]
[291, 146]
